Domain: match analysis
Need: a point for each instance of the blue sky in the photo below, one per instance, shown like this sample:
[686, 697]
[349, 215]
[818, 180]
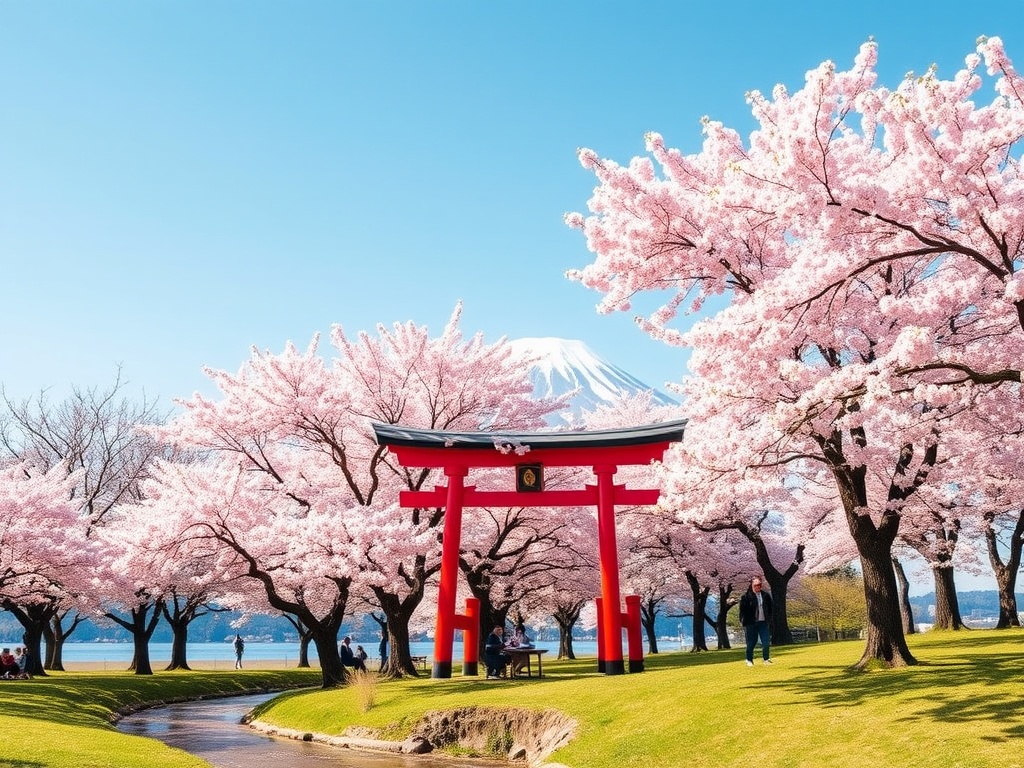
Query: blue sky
[180, 181]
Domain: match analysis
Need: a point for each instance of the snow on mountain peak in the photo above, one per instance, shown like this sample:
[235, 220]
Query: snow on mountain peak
[564, 365]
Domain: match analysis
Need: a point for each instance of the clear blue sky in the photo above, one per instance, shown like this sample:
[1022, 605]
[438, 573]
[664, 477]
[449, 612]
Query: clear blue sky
[180, 181]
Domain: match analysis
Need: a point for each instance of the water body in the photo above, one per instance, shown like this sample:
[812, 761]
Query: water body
[212, 730]
[117, 655]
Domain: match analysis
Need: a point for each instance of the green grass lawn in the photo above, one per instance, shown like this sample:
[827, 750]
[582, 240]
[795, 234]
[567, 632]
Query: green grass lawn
[64, 720]
[962, 706]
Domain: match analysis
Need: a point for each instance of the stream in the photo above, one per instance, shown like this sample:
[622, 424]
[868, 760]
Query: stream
[212, 730]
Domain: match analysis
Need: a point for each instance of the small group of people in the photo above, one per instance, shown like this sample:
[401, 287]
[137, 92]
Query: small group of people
[495, 657]
[14, 666]
[355, 659]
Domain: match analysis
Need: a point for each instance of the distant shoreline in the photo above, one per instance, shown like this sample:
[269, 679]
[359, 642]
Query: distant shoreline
[198, 665]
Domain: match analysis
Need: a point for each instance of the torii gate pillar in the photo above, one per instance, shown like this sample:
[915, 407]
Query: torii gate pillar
[457, 452]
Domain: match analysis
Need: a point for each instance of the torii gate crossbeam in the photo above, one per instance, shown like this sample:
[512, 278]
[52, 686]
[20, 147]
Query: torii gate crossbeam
[603, 450]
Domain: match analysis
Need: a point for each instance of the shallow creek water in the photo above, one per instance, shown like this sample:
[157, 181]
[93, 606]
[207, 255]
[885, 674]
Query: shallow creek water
[212, 730]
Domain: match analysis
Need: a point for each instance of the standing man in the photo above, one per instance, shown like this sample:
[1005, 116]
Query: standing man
[756, 618]
[239, 650]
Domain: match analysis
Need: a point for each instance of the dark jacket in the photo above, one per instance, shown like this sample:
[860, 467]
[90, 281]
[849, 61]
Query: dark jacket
[493, 646]
[748, 607]
[348, 659]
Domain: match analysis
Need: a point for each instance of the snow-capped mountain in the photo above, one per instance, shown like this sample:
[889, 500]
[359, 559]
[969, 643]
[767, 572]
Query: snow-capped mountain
[565, 365]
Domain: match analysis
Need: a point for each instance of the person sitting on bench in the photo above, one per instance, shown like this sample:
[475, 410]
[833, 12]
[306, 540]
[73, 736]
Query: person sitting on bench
[493, 656]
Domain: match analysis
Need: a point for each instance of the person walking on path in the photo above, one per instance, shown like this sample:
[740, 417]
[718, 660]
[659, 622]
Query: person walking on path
[756, 618]
[239, 650]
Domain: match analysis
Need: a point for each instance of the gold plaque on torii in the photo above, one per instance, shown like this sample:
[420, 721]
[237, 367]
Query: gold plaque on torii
[529, 477]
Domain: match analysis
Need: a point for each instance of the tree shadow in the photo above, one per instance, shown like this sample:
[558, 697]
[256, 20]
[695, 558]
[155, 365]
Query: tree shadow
[947, 691]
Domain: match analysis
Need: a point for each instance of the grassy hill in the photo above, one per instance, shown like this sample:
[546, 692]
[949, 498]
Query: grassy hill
[959, 707]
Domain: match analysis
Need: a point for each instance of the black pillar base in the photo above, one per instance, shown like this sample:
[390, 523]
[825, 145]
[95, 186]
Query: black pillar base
[442, 669]
[636, 666]
[600, 665]
[615, 667]
[470, 668]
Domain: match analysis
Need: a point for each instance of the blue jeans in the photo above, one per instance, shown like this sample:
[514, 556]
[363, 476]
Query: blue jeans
[754, 632]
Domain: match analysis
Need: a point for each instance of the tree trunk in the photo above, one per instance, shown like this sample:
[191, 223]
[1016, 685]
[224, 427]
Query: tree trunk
[778, 581]
[399, 653]
[398, 613]
[33, 619]
[721, 622]
[180, 611]
[179, 646]
[886, 642]
[57, 636]
[140, 661]
[648, 617]
[324, 630]
[566, 617]
[179, 619]
[141, 629]
[1006, 573]
[947, 608]
[700, 599]
[326, 641]
[491, 616]
[50, 645]
[304, 637]
[906, 611]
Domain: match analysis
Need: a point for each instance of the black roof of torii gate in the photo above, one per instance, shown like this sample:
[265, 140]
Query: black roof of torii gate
[397, 435]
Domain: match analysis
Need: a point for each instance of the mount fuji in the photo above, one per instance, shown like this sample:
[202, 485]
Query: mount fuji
[566, 365]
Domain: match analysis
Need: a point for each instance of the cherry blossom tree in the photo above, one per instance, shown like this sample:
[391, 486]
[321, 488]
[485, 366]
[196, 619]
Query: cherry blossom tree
[92, 433]
[406, 377]
[577, 582]
[868, 242]
[44, 554]
[513, 556]
[990, 486]
[127, 588]
[293, 542]
[326, 493]
[566, 602]
[657, 581]
[191, 581]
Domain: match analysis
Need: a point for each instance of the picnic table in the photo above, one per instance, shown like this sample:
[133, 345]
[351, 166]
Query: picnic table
[521, 658]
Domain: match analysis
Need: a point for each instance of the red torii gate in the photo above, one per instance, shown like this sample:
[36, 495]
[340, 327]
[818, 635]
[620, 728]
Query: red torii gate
[604, 450]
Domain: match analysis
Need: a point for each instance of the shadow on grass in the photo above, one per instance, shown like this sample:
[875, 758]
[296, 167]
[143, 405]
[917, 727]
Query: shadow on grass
[959, 679]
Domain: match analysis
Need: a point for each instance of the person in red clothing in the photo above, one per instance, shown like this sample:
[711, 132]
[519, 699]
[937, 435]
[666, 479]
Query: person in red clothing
[8, 664]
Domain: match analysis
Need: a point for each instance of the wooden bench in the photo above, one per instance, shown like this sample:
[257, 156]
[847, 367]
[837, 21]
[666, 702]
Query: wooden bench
[421, 660]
